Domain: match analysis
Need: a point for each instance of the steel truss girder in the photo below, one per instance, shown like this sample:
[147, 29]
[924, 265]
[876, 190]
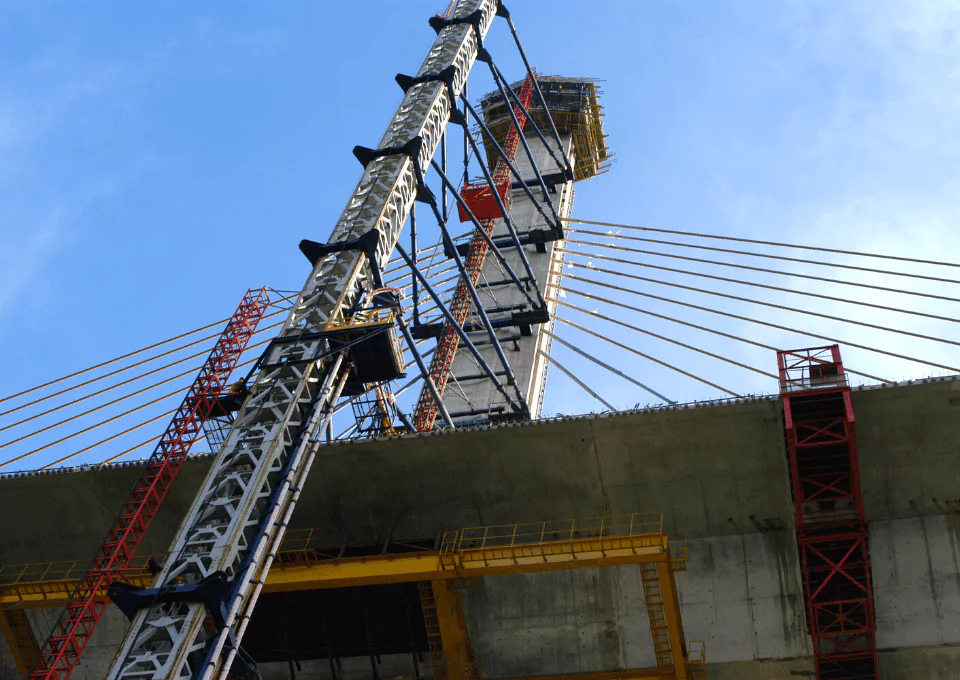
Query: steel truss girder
[251, 474]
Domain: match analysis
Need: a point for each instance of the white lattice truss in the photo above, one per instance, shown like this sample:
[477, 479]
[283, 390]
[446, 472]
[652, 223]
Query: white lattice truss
[269, 450]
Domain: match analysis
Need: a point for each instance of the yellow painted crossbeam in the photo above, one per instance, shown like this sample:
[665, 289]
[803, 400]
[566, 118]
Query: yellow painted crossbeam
[477, 552]
[15, 627]
[638, 674]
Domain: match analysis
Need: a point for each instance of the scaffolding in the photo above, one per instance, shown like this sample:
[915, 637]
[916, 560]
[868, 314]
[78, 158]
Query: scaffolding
[574, 105]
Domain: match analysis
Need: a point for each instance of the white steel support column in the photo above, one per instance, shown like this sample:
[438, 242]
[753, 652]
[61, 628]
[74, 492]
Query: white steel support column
[232, 517]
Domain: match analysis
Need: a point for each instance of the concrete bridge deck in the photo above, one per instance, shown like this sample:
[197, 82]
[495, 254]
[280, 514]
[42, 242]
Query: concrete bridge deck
[718, 471]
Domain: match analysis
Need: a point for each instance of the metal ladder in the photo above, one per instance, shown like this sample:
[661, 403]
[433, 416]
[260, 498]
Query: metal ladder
[432, 624]
[658, 622]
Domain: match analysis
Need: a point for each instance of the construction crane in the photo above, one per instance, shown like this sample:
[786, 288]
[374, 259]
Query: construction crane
[62, 650]
[223, 552]
[479, 196]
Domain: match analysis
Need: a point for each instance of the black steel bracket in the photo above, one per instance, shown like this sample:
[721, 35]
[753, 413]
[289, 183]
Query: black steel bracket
[438, 23]
[522, 320]
[366, 243]
[537, 237]
[412, 148]
[446, 77]
[211, 592]
[551, 180]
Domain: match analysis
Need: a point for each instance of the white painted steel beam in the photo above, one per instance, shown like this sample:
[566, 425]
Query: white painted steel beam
[265, 454]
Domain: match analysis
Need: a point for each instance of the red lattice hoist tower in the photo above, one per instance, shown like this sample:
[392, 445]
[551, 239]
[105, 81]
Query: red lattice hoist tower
[61, 651]
[831, 528]
[483, 204]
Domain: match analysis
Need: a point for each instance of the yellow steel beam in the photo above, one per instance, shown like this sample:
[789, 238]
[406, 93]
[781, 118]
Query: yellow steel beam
[458, 654]
[483, 551]
[23, 646]
[467, 563]
[635, 674]
[52, 593]
[671, 611]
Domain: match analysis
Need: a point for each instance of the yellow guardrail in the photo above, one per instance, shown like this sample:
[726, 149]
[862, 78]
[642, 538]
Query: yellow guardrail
[377, 316]
[471, 552]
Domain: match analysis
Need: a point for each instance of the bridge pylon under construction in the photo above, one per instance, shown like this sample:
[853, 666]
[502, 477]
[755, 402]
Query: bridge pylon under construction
[381, 496]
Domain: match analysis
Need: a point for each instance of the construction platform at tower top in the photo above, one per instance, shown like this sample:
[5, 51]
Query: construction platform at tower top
[717, 471]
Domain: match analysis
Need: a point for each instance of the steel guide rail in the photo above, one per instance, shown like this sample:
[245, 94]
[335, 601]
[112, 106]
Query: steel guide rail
[248, 485]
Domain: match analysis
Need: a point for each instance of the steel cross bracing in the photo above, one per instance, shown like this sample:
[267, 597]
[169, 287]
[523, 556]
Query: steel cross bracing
[830, 522]
[61, 651]
[253, 483]
[476, 196]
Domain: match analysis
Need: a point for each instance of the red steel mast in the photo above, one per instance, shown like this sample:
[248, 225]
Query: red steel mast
[831, 527]
[61, 651]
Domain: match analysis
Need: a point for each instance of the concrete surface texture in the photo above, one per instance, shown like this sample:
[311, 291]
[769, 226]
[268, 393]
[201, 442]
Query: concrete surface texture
[717, 471]
[500, 301]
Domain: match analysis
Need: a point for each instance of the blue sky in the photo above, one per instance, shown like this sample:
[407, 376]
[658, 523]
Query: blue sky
[157, 160]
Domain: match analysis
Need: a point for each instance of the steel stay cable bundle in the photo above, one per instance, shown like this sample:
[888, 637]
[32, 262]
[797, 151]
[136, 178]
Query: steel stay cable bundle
[119, 370]
[766, 243]
[777, 272]
[766, 304]
[768, 256]
[116, 385]
[757, 321]
[792, 291]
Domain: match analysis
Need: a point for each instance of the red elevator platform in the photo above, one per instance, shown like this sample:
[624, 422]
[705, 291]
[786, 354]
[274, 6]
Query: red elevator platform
[821, 441]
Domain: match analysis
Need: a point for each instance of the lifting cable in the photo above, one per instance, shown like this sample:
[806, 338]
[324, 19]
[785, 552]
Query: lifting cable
[121, 454]
[423, 270]
[607, 366]
[767, 243]
[109, 420]
[671, 340]
[120, 358]
[765, 255]
[778, 272]
[108, 439]
[645, 356]
[153, 439]
[119, 370]
[705, 329]
[576, 380]
[120, 384]
[766, 304]
[952, 369]
[93, 427]
[99, 407]
[761, 285]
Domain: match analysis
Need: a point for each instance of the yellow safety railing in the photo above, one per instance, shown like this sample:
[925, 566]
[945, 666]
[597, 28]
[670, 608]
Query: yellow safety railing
[365, 318]
[41, 572]
[504, 535]
[296, 546]
[678, 556]
[594, 538]
[643, 530]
